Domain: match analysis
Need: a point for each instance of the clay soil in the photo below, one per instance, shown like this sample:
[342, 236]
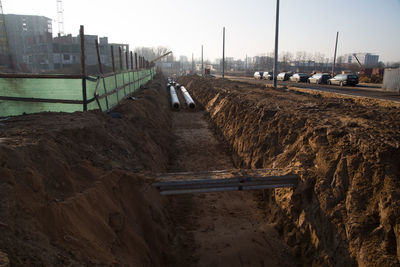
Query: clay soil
[76, 188]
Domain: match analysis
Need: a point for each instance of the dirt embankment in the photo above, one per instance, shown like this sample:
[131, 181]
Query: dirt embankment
[346, 208]
[70, 189]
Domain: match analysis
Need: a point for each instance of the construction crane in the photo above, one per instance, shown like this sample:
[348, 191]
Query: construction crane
[60, 17]
[5, 52]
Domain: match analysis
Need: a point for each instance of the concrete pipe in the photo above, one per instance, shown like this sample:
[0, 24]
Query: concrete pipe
[174, 98]
[188, 98]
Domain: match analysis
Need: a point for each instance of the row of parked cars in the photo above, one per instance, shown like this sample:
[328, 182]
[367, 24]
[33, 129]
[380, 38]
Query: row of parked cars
[318, 78]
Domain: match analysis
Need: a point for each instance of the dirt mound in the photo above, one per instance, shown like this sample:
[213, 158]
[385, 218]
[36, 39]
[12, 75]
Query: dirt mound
[346, 209]
[71, 192]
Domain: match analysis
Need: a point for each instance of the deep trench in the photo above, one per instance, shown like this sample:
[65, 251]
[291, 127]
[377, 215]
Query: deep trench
[217, 229]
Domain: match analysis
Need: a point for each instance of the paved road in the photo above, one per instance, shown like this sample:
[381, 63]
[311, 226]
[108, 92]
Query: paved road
[359, 90]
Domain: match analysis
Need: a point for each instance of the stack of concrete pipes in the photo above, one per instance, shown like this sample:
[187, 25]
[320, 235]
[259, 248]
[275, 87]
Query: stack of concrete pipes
[174, 97]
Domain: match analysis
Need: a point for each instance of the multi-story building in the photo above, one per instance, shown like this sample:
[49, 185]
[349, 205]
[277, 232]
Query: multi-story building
[30, 39]
[34, 49]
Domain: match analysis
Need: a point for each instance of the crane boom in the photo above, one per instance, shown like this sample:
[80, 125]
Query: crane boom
[60, 17]
[359, 63]
[160, 57]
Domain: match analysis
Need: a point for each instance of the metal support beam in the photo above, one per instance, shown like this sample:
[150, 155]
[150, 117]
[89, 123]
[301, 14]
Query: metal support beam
[334, 56]
[219, 181]
[202, 64]
[83, 66]
[223, 54]
[276, 44]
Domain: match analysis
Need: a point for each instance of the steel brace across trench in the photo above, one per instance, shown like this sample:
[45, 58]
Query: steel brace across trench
[219, 181]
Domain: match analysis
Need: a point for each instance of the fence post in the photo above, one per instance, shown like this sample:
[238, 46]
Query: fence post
[112, 59]
[131, 61]
[120, 58]
[113, 67]
[83, 67]
[127, 69]
[101, 71]
[133, 72]
[120, 68]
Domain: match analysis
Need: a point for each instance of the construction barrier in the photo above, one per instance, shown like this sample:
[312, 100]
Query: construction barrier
[27, 94]
[391, 80]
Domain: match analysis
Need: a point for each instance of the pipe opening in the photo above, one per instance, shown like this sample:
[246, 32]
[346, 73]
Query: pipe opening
[192, 105]
[176, 106]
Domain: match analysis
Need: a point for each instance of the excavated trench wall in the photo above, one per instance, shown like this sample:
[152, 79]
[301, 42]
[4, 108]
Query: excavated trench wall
[345, 209]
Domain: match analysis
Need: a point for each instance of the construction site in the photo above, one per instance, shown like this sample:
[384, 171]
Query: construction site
[110, 158]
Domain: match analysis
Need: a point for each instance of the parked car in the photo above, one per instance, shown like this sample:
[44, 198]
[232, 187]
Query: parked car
[344, 79]
[299, 77]
[283, 76]
[258, 75]
[268, 75]
[320, 78]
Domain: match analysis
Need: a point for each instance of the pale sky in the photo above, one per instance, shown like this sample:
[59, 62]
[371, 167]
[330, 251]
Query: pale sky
[183, 26]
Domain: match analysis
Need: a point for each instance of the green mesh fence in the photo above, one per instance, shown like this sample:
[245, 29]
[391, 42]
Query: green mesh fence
[32, 95]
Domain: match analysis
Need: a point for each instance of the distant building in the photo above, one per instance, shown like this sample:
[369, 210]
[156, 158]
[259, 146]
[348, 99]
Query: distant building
[34, 48]
[30, 39]
[183, 59]
[368, 60]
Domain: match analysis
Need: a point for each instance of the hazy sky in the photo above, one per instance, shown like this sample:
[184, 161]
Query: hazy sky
[308, 25]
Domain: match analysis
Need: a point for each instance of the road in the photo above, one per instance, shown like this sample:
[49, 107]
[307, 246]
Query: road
[359, 90]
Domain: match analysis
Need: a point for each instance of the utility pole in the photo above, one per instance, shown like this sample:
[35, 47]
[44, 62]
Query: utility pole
[223, 53]
[192, 63]
[202, 65]
[276, 44]
[334, 56]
